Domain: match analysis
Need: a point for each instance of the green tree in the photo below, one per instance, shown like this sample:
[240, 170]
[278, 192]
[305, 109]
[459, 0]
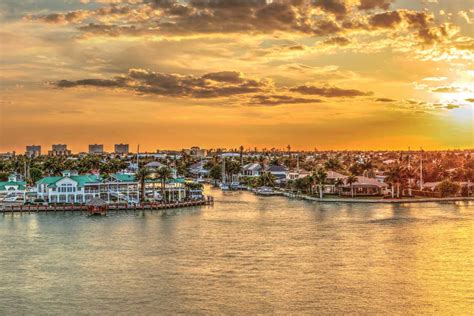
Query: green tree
[267, 179]
[35, 175]
[216, 173]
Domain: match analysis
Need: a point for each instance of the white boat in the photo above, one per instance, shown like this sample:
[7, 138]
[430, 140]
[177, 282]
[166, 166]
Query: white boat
[265, 191]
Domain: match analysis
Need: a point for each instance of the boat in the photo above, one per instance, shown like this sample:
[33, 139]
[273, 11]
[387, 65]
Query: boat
[224, 187]
[266, 191]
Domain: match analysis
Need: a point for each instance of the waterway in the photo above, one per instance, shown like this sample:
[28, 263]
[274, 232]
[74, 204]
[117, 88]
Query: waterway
[244, 255]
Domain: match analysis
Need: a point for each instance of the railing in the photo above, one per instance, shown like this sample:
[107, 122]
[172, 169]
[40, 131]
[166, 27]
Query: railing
[209, 200]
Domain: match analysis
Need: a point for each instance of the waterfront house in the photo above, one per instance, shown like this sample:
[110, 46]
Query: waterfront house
[332, 178]
[251, 170]
[13, 189]
[68, 188]
[365, 187]
[279, 172]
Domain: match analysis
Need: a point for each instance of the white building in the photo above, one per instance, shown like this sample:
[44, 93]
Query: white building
[252, 170]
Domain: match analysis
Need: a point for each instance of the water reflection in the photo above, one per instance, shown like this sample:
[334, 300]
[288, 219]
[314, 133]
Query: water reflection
[245, 255]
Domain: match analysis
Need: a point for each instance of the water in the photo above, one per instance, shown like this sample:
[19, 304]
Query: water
[245, 255]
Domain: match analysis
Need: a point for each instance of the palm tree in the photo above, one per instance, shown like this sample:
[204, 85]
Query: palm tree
[395, 177]
[142, 175]
[164, 173]
[320, 177]
[339, 183]
[410, 173]
[267, 179]
[351, 180]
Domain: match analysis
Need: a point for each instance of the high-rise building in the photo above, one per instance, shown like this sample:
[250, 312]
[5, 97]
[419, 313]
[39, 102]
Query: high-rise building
[59, 150]
[33, 151]
[96, 149]
[121, 149]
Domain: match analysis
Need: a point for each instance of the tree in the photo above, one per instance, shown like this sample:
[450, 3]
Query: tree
[448, 188]
[350, 180]
[35, 175]
[266, 179]
[320, 177]
[333, 164]
[164, 173]
[395, 177]
[410, 174]
[338, 184]
[142, 175]
[216, 173]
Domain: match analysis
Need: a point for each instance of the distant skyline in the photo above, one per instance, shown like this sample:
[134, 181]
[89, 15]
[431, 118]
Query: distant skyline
[326, 74]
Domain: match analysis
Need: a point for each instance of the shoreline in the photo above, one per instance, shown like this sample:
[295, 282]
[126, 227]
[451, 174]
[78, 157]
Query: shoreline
[382, 201]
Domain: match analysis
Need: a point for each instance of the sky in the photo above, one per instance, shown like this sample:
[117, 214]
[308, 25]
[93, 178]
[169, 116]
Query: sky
[165, 74]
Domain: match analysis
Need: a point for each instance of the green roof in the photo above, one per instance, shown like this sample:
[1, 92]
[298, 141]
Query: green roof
[81, 180]
[21, 185]
[120, 177]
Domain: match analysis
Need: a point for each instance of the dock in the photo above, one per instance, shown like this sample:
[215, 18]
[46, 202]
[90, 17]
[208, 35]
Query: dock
[52, 208]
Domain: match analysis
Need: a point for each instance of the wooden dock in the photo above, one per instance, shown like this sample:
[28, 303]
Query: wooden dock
[5, 209]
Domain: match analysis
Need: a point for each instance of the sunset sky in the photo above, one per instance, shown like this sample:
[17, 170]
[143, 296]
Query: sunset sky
[326, 74]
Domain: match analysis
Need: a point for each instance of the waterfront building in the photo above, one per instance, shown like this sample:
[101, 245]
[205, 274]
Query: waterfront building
[59, 150]
[198, 169]
[279, 172]
[365, 187]
[12, 190]
[252, 170]
[117, 188]
[33, 151]
[96, 149]
[332, 178]
[68, 188]
[121, 149]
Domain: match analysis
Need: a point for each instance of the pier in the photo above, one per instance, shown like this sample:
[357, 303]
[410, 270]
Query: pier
[209, 200]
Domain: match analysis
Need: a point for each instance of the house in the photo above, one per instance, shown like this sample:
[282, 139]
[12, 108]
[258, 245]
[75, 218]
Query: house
[298, 174]
[364, 187]
[13, 189]
[279, 172]
[154, 165]
[332, 179]
[198, 169]
[68, 188]
[251, 170]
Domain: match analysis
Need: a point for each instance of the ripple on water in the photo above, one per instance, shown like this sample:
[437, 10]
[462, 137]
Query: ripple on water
[245, 255]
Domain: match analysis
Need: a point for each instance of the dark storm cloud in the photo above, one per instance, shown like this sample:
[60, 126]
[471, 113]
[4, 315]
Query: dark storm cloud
[329, 92]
